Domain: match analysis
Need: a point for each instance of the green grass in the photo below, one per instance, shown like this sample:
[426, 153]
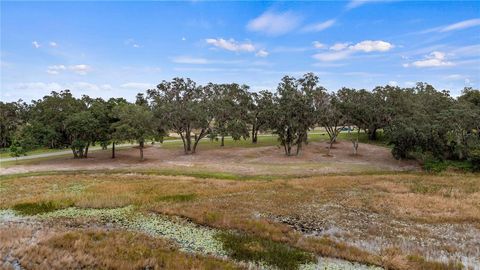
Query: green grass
[272, 140]
[30, 209]
[5, 153]
[432, 165]
[250, 248]
[177, 198]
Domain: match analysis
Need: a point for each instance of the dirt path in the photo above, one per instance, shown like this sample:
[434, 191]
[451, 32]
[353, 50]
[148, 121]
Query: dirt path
[268, 160]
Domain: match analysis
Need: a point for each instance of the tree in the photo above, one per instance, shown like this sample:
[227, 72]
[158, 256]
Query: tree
[470, 95]
[112, 104]
[293, 114]
[261, 110]
[230, 111]
[51, 113]
[12, 117]
[135, 122]
[185, 108]
[329, 116]
[81, 130]
[16, 150]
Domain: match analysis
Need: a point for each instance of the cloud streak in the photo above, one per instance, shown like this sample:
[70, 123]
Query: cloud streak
[340, 51]
[274, 24]
[318, 27]
[434, 59]
[81, 69]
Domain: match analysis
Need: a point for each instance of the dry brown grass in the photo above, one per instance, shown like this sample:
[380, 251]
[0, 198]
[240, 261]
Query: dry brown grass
[98, 249]
[361, 209]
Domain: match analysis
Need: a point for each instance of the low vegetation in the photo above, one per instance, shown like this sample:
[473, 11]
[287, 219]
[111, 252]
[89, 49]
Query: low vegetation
[370, 219]
[249, 248]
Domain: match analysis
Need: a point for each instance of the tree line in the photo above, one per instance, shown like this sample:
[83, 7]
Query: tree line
[417, 121]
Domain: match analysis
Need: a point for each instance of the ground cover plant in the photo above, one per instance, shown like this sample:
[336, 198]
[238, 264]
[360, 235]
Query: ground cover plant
[376, 219]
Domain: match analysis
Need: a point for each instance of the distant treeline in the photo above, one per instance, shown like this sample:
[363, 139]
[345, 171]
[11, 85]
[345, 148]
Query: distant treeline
[418, 122]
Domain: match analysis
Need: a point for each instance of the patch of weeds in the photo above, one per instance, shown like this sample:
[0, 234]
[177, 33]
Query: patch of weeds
[422, 188]
[76, 188]
[177, 198]
[250, 248]
[423, 263]
[211, 217]
[36, 208]
[436, 166]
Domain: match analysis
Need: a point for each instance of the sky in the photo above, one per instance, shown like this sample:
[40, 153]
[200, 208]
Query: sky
[118, 49]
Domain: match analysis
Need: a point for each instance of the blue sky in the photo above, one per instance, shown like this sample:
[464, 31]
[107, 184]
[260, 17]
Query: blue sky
[117, 49]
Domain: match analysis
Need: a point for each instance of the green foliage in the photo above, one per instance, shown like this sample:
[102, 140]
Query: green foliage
[474, 159]
[184, 108]
[250, 248]
[16, 150]
[294, 112]
[136, 122]
[30, 209]
[435, 165]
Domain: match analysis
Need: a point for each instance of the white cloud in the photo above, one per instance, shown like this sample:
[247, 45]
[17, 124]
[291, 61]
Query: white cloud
[189, 60]
[55, 69]
[184, 38]
[343, 50]
[393, 83]
[231, 45]
[339, 46]
[318, 45]
[319, 26]
[38, 86]
[35, 44]
[272, 23]
[434, 59]
[137, 85]
[262, 53]
[53, 44]
[80, 69]
[460, 25]
[372, 45]
[131, 42]
[454, 77]
[357, 3]
[332, 56]
[409, 84]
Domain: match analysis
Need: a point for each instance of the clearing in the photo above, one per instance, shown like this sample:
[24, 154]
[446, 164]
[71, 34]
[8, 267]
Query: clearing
[237, 208]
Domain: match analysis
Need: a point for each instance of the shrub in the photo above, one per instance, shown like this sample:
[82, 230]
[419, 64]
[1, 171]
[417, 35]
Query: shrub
[250, 248]
[39, 207]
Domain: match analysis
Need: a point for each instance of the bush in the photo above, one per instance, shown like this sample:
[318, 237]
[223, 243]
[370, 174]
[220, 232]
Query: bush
[474, 158]
[36, 208]
[250, 248]
[435, 165]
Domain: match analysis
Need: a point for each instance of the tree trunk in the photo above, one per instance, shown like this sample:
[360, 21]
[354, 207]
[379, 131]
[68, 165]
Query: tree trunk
[330, 147]
[188, 138]
[113, 150]
[254, 134]
[372, 134]
[299, 147]
[86, 150]
[197, 140]
[184, 142]
[75, 155]
[141, 150]
[223, 141]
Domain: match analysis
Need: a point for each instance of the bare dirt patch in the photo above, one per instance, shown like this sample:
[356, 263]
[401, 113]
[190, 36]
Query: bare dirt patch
[268, 160]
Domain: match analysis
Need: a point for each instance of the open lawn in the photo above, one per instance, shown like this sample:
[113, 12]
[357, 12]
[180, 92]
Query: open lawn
[237, 208]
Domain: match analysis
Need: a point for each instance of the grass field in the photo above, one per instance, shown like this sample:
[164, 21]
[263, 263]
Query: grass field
[207, 211]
